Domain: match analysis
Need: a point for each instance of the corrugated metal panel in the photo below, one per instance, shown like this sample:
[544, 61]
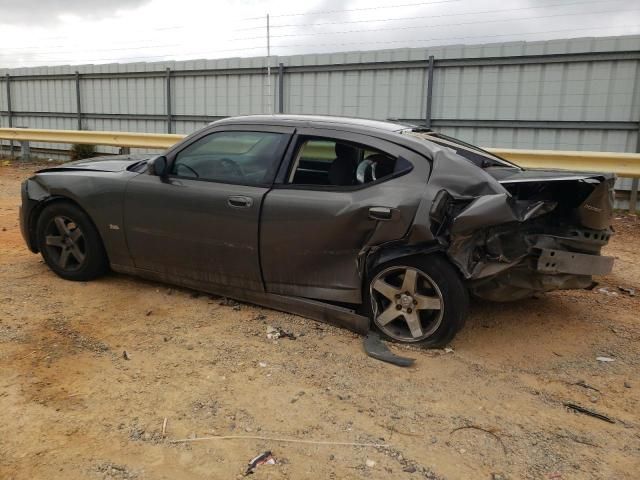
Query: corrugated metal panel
[43, 96]
[581, 91]
[130, 96]
[4, 121]
[547, 139]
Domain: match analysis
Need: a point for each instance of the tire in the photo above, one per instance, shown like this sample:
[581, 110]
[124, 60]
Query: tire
[69, 243]
[430, 314]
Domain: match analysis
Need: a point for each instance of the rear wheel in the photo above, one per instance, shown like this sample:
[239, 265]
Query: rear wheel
[417, 300]
[70, 243]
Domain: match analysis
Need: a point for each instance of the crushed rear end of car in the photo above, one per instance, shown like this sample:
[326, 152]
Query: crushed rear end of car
[513, 232]
[552, 238]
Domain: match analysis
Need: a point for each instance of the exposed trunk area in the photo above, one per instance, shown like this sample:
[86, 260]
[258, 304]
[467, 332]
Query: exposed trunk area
[546, 235]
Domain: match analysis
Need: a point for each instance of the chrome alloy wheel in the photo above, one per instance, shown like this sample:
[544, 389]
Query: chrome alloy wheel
[407, 304]
[65, 243]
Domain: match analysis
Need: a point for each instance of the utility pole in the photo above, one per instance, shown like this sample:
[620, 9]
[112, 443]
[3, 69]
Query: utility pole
[269, 105]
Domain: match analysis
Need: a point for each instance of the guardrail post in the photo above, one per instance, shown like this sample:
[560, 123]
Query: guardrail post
[9, 112]
[430, 68]
[25, 149]
[633, 196]
[78, 105]
[168, 82]
[281, 88]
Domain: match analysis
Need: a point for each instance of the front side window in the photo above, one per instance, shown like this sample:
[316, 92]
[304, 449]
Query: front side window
[331, 162]
[231, 157]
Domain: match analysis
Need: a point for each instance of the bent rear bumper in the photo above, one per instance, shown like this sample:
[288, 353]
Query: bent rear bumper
[560, 261]
[518, 265]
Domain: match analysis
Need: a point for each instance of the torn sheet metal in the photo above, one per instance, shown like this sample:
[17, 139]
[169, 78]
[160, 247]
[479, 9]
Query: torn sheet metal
[496, 224]
[497, 209]
[559, 261]
[596, 211]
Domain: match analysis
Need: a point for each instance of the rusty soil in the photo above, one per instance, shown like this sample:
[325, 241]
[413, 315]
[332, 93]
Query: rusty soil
[72, 407]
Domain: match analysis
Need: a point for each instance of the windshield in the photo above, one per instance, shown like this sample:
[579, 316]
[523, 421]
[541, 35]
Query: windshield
[475, 155]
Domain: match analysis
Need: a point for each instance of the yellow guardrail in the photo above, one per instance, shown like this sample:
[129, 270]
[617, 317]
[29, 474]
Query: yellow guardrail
[622, 164]
[115, 139]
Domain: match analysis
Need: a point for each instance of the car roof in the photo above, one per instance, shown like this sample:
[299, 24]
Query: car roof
[313, 120]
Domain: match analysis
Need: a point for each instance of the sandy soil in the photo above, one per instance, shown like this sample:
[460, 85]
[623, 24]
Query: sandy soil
[72, 407]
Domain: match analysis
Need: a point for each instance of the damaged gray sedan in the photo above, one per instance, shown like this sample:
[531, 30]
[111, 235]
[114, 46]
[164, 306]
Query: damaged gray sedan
[347, 221]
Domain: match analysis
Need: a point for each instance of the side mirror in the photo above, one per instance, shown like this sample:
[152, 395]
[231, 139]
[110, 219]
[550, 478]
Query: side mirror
[157, 166]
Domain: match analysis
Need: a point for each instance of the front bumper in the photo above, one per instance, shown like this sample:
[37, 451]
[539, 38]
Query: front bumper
[25, 211]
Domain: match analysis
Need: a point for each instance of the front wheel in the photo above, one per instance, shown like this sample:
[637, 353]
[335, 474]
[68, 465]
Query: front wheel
[69, 242]
[417, 300]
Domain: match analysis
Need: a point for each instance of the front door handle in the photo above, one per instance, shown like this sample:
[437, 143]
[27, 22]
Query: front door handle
[380, 213]
[239, 201]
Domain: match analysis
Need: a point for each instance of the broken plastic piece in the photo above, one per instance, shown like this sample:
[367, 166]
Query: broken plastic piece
[628, 290]
[375, 348]
[264, 458]
[274, 333]
[605, 359]
[606, 291]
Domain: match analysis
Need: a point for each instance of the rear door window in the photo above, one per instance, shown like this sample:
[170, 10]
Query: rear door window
[338, 163]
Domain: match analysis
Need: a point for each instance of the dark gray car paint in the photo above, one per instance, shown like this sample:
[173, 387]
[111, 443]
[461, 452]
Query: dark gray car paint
[100, 193]
[115, 163]
[327, 231]
[186, 228]
[296, 244]
[160, 215]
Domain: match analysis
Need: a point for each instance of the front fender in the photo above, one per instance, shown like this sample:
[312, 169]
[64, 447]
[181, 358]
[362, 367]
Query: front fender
[99, 194]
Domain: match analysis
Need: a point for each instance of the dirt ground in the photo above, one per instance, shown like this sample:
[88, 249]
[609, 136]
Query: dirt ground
[72, 407]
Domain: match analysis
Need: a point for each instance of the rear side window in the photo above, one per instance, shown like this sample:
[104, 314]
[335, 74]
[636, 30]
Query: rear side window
[337, 163]
[475, 155]
[248, 158]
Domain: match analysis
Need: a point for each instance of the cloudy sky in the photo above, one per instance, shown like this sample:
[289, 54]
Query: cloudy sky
[57, 32]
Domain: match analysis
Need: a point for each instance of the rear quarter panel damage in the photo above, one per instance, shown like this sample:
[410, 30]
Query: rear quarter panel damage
[314, 242]
[496, 238]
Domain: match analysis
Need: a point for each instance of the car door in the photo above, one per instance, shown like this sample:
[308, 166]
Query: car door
[313, 234]
[201, 221]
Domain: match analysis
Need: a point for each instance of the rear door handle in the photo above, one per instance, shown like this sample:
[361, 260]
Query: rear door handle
[239, 201]
[380, 213]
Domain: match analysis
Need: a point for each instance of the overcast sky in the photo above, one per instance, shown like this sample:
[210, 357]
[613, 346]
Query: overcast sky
[56, 32]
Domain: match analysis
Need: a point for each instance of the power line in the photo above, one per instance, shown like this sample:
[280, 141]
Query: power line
[516, 34]
[551, 5]
[180, 27]
[440, 25]
[55, 52]
[358, 9]
[261, 47]
[387, 42]
[412, 27]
